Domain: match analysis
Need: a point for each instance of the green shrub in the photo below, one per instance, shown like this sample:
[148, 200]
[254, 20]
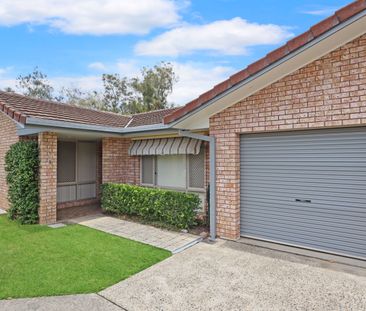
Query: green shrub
[170, 207]
[21, 166]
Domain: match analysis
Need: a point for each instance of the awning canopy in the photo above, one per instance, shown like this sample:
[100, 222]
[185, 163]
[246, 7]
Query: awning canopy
[165, 146]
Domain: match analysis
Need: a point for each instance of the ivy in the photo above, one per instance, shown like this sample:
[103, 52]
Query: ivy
[21, 166]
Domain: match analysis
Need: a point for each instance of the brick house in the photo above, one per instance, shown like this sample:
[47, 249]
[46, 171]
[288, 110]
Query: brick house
[285, 136]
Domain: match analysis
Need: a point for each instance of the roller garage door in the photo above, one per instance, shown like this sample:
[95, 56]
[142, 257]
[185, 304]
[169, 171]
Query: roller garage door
[306, 188]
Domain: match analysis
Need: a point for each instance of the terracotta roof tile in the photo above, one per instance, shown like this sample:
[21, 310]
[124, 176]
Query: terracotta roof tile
[150, 118]
[292, 45]
[20, 107]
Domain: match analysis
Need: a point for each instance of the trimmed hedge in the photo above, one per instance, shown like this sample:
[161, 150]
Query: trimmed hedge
[21, 166]
[170, 207]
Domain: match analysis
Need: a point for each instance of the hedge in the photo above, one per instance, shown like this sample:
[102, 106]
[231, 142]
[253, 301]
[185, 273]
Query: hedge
[170, 207]
[21, 166]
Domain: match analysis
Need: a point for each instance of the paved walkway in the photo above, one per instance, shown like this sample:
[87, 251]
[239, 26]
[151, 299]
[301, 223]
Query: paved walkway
[2, 211]
[169, 240]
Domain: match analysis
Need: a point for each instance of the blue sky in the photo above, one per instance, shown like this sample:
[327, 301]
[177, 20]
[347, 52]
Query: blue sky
[74, 42]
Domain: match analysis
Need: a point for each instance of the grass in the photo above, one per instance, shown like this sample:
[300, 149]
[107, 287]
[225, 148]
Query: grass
[39, 261]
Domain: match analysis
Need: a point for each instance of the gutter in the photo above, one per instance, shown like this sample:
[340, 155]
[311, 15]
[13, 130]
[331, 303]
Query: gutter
[94, 128]
[212, 142]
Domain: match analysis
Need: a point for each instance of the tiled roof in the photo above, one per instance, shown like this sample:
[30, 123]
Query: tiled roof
[327, 24]
[149, 118]
[21, 107]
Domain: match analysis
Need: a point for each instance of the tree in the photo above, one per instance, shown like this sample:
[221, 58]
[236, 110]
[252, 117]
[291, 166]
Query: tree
[123, 95]
[153, 89]
[35, 85]
[8, 89]
[116, 94]
[76, 97]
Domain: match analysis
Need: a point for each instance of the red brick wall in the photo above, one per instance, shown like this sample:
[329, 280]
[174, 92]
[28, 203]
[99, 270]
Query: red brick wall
[47, 143]
[330, 92]
[7, 138]
[117, 165]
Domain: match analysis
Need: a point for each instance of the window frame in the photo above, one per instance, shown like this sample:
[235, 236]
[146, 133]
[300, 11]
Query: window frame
[187, 188]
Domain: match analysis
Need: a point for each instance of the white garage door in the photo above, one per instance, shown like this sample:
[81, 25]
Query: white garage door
[306, 189]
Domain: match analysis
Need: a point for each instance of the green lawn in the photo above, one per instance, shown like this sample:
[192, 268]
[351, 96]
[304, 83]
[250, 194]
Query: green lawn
[40, 261]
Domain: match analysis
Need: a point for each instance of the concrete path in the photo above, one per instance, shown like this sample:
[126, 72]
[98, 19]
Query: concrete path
[169, 240]
[90, 302]
[2, 211]
[232, 276]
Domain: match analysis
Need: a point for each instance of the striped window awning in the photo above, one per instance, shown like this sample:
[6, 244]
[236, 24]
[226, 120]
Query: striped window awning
[165, 146]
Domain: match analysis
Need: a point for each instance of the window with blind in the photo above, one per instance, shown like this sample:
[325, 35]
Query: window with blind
[181, 172]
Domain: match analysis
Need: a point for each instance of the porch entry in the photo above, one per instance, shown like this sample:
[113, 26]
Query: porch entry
[76, 170]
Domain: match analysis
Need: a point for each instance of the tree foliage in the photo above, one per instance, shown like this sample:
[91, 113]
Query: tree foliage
[36, 85]
[155, 86]
[119, 94]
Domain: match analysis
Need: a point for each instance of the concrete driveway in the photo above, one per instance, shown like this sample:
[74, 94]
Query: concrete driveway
[233, 276]
[224, 276]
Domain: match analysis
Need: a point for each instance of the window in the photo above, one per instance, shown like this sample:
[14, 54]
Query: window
[76, 170]
[147, 170]
[196, 170]
[181, 172]
[171, 171]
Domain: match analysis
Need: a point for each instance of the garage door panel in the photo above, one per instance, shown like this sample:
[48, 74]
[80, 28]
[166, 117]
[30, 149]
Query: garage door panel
[345, 193]
[326, 216]
[324, 198]
[305, 219]
[335, 210]
[327, 167]
[317, 237]
[324, 227]
[295, 241]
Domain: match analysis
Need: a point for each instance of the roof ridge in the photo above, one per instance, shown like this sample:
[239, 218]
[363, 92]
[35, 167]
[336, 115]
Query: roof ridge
[157, 110]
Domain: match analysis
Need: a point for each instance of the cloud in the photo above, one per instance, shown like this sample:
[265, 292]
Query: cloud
[95, 17]
[227, 37]
[195, 79]
[97, 66]
[4, 71]
[321, 12]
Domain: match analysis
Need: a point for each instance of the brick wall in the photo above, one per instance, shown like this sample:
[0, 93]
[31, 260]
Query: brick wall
[7, 138]
[117, 165]
[330, 92]
[47, 143]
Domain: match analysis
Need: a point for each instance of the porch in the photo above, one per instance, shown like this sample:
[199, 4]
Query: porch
[73, 168]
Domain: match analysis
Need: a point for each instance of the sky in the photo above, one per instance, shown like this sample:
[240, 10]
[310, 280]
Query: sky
[75, 41]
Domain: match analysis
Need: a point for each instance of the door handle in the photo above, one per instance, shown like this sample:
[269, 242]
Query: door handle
[302, 201]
